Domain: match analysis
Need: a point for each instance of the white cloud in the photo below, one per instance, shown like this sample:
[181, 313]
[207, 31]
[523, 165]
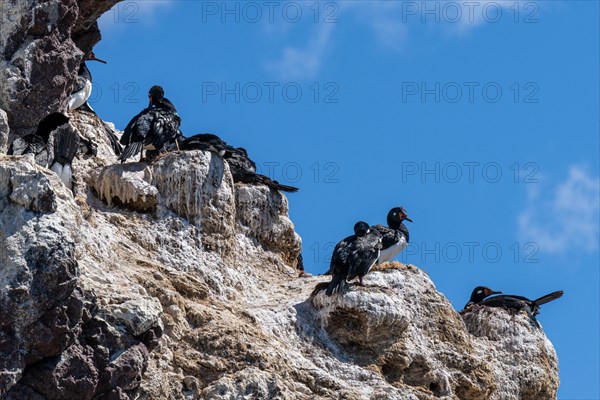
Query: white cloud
[392, 23]
[304, 63]
[129, 12]
[567, 218]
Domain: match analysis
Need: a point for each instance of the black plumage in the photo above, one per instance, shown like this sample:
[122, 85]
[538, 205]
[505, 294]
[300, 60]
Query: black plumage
[242, 168]
[37, 143]
[395, 236]
[152, 129]
[352, 257]
[511, 302]
[66, 144]
[339, 255]
[364, 254]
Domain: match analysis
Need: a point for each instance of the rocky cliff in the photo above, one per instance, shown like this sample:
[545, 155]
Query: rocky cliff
[170, 281]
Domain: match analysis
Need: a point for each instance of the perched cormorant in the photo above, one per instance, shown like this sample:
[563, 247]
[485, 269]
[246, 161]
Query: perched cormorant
[65, 145]
[37, 143]
[364, 254]
[78, 101]
[83, 86]
[338, 256]
[243, 169]
[395, 235]
[152, 129]
[511, 302]
[352, 257]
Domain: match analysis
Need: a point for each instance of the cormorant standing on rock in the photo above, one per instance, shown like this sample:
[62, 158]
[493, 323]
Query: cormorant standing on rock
[83, 87]
[364, 254]
[152, 129]
[80, 95]
[511, 302]
[395, 235]
[352, 257]
[243, 169]
[339, 256]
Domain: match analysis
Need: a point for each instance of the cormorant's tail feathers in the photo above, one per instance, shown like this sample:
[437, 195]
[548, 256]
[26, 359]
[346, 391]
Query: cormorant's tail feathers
[66, 142]
[131, 150]
[319, 288]
[284, 188]
[337, 284]
[548, 298]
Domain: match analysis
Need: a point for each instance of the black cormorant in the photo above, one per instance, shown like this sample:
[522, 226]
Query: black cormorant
[352, 257]
[152, 129]
[242, 168]
[511, 302]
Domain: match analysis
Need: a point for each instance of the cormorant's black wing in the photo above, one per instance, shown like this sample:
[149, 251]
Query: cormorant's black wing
[389, 236]
[128, 133]
[164, 127]
[506, 301]
[253, 178]
[135, 134]
[364, 252]
[340, 254]
[242, 168]
[205, 141]
[239, 161]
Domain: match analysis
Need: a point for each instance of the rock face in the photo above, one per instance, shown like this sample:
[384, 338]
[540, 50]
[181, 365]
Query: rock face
[41, 46]
[169, 281]
[57, 341]
[4, 132]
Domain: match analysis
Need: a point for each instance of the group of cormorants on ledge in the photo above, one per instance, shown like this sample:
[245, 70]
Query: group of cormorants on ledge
[156, 130]
[354, 256]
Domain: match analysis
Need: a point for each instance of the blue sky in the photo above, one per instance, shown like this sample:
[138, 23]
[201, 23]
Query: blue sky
[480, 118]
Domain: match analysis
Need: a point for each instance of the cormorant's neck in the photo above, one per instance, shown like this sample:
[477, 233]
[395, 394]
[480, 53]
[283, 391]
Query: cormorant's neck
[477, 297]
[392, 223]
[404, 231]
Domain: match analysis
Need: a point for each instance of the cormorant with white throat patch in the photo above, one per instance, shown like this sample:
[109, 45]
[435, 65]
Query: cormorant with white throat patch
[395, 236]
[83, 86]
